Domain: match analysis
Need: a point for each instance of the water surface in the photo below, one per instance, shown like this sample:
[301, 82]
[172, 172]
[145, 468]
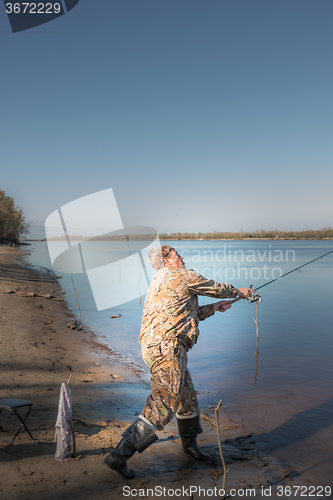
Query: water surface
[285, 394]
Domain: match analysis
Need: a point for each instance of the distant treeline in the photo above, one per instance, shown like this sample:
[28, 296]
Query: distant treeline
[325, 233]
[12, 224]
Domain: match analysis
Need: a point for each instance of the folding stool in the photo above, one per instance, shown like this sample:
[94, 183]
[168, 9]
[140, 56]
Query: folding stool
[12, 405]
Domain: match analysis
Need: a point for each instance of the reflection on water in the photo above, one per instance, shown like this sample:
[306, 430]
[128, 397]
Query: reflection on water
[289, 404]
[257, 357]
[257, 350]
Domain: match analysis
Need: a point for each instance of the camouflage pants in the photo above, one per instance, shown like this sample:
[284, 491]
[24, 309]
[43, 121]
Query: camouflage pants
[171, 383]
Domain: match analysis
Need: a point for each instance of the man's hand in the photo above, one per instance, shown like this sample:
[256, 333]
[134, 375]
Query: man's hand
[244, 293]
[222, 306]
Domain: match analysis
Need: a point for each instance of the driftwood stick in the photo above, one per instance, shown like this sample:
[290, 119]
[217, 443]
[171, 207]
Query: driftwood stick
[257, 355]
[225, 470]
[257, 320]
[77, 300]
[32, 294]
[41, 277]
[257, 350]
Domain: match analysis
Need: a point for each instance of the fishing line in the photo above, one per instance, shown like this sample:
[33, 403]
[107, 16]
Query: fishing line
[256, 296]
[293, 270]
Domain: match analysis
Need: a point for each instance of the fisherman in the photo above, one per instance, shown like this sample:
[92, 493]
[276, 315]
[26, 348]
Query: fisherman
[169, 329]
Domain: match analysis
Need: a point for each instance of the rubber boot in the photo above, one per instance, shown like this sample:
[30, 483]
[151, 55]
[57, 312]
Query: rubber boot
[137, 437]
[188, 429]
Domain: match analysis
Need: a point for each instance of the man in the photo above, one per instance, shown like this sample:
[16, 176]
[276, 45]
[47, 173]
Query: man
[169, 330]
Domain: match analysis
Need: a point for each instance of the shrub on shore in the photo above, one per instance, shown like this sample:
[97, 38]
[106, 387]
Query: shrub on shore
[12, 222]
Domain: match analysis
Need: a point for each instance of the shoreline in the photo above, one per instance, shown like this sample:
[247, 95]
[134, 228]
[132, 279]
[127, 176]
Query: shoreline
[87, 238]
[39, 352]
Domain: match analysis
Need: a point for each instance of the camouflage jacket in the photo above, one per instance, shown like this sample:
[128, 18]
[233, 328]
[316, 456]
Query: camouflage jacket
[172, 310]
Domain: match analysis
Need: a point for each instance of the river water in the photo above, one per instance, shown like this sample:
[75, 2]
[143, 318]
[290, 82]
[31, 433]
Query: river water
[281, 389]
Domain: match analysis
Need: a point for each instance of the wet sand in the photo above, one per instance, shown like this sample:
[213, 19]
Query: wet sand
[39, 353]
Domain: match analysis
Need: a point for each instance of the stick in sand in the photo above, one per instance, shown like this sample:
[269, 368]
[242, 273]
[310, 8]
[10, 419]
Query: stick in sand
[41, 277]
[225, 470]
[257, 320]
[77, 300]
[257, 350]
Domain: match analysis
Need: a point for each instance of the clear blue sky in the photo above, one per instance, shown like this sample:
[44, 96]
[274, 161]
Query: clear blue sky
[201, 115]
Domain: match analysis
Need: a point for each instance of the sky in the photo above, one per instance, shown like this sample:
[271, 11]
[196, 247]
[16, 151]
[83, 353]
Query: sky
[201, 115]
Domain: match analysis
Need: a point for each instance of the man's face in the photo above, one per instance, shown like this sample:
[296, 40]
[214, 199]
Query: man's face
[175, 260]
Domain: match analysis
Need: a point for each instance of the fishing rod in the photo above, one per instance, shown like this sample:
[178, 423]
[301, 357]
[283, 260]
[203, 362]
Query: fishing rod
[256, 297]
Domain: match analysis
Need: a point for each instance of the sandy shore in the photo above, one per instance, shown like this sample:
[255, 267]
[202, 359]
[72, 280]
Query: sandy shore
[39, 353]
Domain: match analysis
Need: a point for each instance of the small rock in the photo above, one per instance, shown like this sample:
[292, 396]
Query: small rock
[74, 325]
[71, 324]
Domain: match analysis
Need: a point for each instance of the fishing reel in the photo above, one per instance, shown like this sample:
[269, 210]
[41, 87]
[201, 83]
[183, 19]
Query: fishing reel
[255, 297]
